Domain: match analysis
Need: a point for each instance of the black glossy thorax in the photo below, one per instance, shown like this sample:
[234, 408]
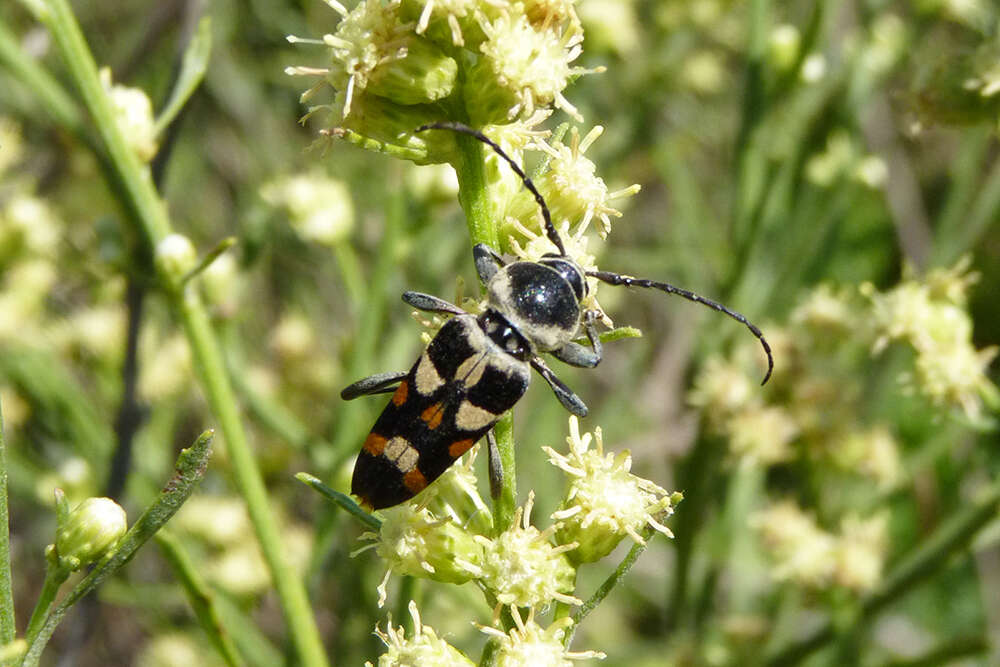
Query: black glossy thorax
[538, 301]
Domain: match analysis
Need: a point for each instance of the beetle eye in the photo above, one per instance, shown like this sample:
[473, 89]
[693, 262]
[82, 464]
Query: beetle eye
[569, 271]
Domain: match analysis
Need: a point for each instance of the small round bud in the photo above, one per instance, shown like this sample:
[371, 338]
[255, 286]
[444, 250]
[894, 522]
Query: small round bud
[784, 46]
[134, 113]
[89, 532]
[176, 256]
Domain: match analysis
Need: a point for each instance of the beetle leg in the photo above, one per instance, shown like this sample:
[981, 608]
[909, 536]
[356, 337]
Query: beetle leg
[431, 303]
[578, 355]
[569, 400]
[381, 383]
[487, 260]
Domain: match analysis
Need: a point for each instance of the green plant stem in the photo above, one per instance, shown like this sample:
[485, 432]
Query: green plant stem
[926, 559]
[8, 630]
[200, 596]
[55, 577]
[211, 369]
[481, 214]
[609, 584]
[482, 219]
[154, 225]
[56, 101]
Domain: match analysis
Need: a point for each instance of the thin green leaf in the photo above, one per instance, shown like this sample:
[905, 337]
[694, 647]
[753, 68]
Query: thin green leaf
[7, 628]
[193, 67]
[341, 499]
[200, 597]
[251, 642]
[213, 254]
[609, 584]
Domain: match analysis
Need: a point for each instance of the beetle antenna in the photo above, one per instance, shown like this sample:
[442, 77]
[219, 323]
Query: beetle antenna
[550, 229]
[628, 281]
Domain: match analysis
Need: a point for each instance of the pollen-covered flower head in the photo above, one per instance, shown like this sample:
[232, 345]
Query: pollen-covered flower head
[522, 67]
[320, 208]
[522, 567]
[30, 224]
[873, 452]
[604, 501]
[801, 550]
[423, 648]
[762, 435]
[571, 187]
[722, 389]
[861, 551]
[374, 51]
[527, 644]
[826, 311]
[413, 541]
[930, 316]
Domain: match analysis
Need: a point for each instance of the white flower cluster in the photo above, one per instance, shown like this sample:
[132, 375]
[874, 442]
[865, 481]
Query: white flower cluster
[446, 535]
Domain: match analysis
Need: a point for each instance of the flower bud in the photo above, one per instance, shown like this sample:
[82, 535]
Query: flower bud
[784, 45]
[89, 532]
[134, 113]
[175, 256]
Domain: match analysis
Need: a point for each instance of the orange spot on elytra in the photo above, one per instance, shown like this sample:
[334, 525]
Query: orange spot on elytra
[459, 447]
[432, 416]
[415, 481]
[374, 444]
[399, 397]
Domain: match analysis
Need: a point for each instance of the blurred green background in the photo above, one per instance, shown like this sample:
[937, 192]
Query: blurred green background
[780, 146]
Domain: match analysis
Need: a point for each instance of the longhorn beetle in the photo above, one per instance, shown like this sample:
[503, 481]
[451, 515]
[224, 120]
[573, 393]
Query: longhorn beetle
[478, 366]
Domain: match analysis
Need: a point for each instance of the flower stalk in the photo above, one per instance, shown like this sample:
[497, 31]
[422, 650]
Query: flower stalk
[483, 221]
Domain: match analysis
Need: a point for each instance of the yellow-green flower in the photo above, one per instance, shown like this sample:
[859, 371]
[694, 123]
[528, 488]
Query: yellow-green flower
[522, 567]
[424, 648]
[527, 644]
[604, 501]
